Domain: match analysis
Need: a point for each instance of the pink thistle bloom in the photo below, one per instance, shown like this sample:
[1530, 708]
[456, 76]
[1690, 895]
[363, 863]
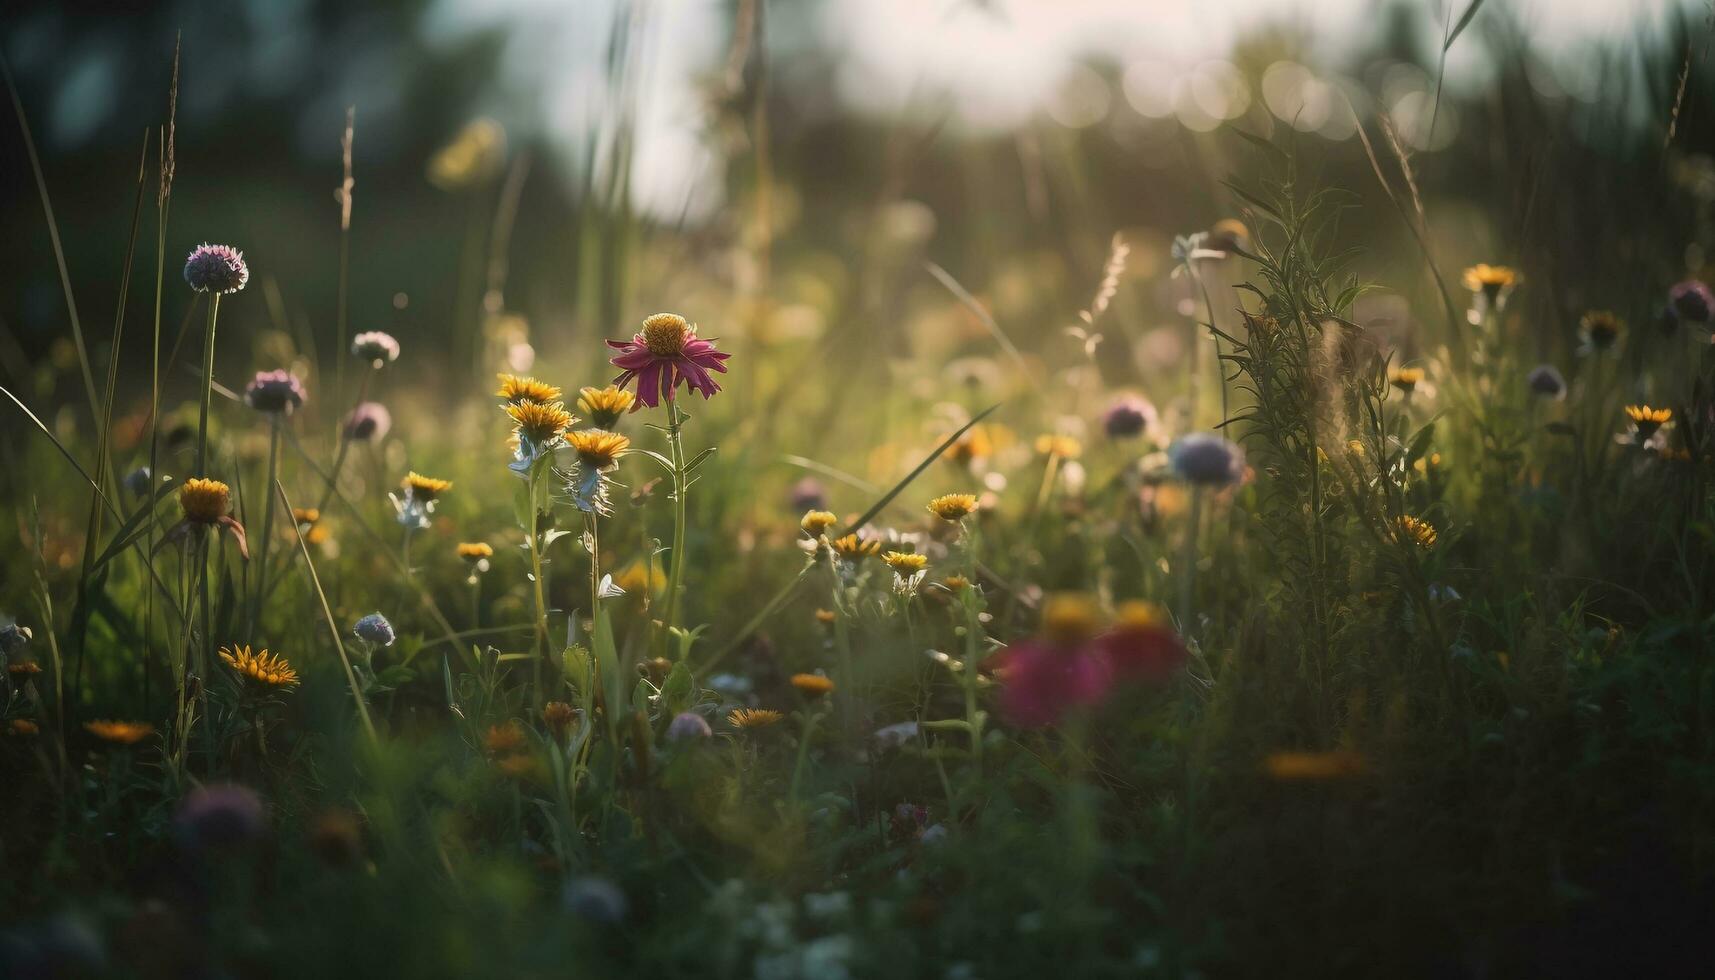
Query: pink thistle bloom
[662, 354]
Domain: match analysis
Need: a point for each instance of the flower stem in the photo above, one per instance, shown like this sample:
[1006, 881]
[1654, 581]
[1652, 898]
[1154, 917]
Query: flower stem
[675, 445]
[267, 524]
[540, 595]
[207, 383]
[344, 445]
[1188, 579]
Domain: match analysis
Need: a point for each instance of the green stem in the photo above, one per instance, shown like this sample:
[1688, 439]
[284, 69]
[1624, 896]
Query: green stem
[1188, 579]
[675, 446]
[207, 384]
[540, 595]
[267, 524]
[344, 444]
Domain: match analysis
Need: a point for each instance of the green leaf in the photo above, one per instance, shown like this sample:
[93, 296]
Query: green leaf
[677, 690]
[132, 529]
[697, 460]
[1420, 443]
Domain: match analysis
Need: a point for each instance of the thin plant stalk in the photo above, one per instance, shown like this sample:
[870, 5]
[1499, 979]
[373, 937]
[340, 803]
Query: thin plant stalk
[1188, 580]
[345, 442]
[539, 593]
[207, 383]
[267, 524]
[345, 661]
[676, 449]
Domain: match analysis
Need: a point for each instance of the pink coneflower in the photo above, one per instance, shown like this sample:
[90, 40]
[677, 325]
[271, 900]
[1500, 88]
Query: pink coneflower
[274, 391]
[662, 354]
[216, 269]
[1071, 665]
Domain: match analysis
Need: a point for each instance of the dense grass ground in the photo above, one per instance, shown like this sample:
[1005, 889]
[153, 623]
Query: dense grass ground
[1321, 593]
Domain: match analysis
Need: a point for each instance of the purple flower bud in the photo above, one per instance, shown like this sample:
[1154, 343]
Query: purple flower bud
[808, 494]
[218, 816]
[368, 421]
[1128, 416]
[1691, 302]
[216, 269]
[1206, 459]
[688, 725]
[375, 346]
[1547, 382]
[374, 628]
[274, 391]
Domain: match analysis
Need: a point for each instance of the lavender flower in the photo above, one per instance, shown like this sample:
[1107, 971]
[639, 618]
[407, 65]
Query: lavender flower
[1207, 459]
[1691, 302]
[375, 347]
[274, 391]
[1547, 382]
[138, 481]
[688, 725]
[374, 628]
[1128, 416]
[368, 421]
[808, 494]
[216, 269]
[217, 816]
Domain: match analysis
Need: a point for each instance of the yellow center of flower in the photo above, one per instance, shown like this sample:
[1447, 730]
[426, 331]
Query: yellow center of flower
[203, 501]
[664, 334]
[475, 550]
[1069, 618]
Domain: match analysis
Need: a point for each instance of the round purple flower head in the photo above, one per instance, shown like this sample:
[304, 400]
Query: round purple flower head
[1127, 417]
[688, 725]
[375, 347]
[374, 628]
[274, 391]
[216, 269]
[1691, 302]
[808, 494]
[1207, 459]
[369, 420]
[138, 482]
[218, 816]
[1547, 382]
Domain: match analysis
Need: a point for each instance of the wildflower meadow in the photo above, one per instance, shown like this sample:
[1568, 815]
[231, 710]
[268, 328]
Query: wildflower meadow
[1248, 512]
